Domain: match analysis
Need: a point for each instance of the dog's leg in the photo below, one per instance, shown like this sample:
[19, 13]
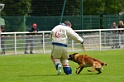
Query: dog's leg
[96, 66]
[99, 70]
[80, 70]
[77, 69]
[91, 70]
[81, 67]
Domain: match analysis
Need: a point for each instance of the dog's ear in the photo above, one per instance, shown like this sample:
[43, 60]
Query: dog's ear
[75, 53]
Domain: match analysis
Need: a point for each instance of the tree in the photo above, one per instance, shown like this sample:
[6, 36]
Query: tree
[46, 7]
[96, 7]
[14, 11]
[16, 7]
[54, 7]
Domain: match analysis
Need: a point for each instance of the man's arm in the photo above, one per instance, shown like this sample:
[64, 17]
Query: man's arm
[72, 34]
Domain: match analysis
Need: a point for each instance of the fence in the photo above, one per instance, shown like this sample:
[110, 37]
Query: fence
[22, 23]
[95, 39]
[109, 19]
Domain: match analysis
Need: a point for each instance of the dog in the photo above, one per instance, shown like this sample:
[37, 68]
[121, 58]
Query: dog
[86, 61]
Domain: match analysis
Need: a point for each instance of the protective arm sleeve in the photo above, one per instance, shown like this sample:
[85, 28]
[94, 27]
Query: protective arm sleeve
[73, 35]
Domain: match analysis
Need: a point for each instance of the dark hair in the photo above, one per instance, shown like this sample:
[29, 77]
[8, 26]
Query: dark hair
[2, 27]
[68, 23]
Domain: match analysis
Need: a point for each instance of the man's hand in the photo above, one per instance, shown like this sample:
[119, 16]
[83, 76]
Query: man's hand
[83, 48]
[35, 31]
[82, 45]
[51, 37]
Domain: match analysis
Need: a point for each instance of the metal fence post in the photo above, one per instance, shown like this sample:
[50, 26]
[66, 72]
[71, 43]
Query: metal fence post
[1, 8]
[63, 9]
[90, 22]
[15, 43]
[24, 18]
[120, 40]
[100, 39]
[43, 43]
[72, 45]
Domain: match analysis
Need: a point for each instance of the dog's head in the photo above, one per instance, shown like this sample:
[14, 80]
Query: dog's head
[72, 57]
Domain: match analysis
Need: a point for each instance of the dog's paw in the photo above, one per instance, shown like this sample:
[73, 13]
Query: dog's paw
[89, 70]
[76, 72]
[99, 72]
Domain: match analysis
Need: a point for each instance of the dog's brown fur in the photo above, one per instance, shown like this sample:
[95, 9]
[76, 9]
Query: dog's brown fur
[86, 61]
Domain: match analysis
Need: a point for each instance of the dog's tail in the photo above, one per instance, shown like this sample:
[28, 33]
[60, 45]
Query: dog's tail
[104, 64]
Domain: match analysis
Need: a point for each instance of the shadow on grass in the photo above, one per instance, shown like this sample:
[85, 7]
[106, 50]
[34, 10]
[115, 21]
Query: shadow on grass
[91, 74]
[88, 74]
[44, 75]
[37, 75]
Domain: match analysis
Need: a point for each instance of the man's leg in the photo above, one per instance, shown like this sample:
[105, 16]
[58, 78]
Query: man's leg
[31, 46]
[57, 64]
[3, 46]
[66, 67]
[26, 46]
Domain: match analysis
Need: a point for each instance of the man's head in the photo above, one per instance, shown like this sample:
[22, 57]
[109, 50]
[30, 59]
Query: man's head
[68, 23]
[34, 25]
[114, 24]
[121, 23]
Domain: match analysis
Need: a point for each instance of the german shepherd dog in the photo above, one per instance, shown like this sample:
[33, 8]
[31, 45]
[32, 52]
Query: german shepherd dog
[86, 61]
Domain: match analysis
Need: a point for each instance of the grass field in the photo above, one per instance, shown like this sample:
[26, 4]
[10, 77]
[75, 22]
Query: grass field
[39, 68]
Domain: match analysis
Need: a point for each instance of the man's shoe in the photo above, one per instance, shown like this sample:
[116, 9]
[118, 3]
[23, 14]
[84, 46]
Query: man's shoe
[25, 52]
[112, 47]
[31, 53]
[118, 47]
[59, 69]
[3, 53]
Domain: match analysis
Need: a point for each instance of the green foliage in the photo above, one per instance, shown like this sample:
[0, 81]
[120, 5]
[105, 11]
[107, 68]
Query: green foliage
[16, 7]
[112, 6]
[39, 68]
[102, 6]
[46, 7]
[54, 7]
[90, 7]
[14, 23]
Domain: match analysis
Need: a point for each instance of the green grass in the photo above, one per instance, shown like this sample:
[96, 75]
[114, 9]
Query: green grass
[39, 68]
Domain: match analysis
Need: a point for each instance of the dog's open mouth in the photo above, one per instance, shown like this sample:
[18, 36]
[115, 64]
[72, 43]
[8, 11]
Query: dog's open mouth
[69, 58]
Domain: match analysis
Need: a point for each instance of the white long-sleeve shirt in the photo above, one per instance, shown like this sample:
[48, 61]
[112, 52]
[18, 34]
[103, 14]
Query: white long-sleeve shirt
[60, 34]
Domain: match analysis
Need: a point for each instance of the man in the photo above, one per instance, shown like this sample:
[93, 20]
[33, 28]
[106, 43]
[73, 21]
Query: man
[114, 35]
[2, 39]
[29, 38]
[59, 37]
[121, 25]
[114, 26]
